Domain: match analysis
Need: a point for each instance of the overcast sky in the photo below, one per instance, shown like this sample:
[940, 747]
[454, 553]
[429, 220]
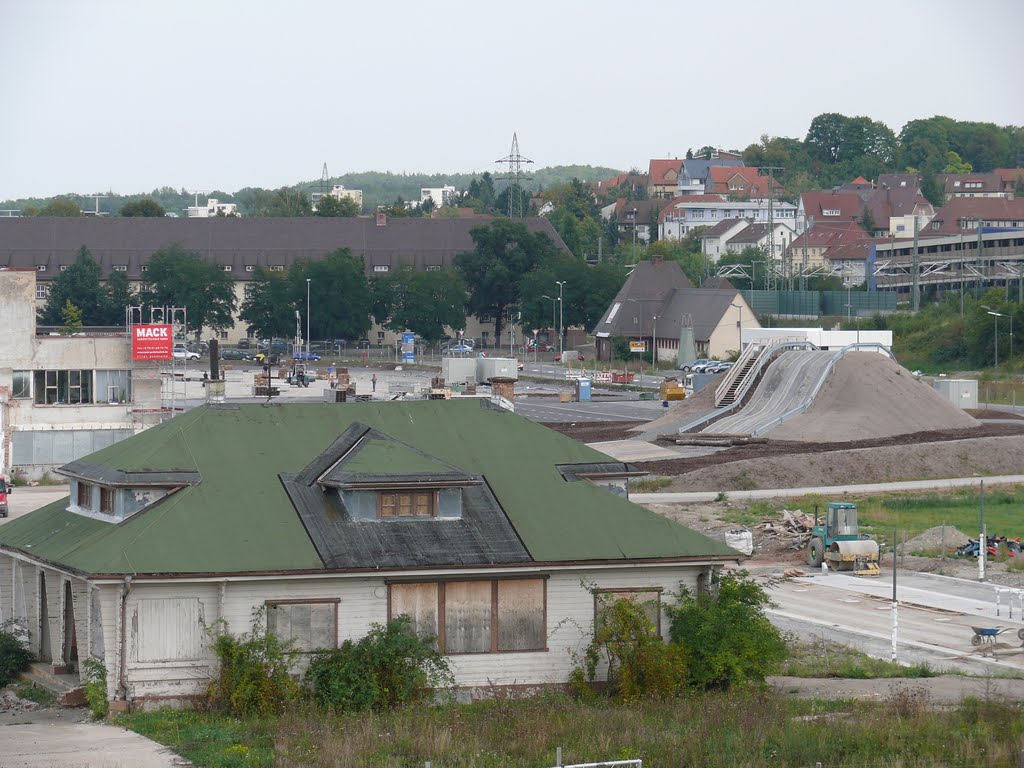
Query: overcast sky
[126, 96]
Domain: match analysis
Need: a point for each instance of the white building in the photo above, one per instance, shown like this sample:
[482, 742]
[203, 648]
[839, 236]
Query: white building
[688, 212]
[441, 196]
[62, 397]
[338, 192]
[213, 207]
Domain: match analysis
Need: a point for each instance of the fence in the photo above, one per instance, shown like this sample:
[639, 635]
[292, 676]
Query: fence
[815, 303]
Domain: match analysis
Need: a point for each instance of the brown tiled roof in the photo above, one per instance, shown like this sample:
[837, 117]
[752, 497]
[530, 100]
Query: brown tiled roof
[897, 194]
[688, 199]
[991, 211]
[826, 234]
[855, 250]
[649, 285]
[752, 233]
[240, 242]
[659, 173]
[849, 205]
[955, 183]
[754, 184]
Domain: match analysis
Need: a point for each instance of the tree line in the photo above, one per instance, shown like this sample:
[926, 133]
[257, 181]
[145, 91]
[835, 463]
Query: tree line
[505, 277]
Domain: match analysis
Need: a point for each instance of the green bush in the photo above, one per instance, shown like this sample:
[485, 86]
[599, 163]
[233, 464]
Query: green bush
[640, 665]
[95, 673]
[391, 666]
[726, 636]
[14, 656]
[253, 677]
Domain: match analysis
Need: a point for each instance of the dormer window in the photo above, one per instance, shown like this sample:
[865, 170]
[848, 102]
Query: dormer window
[392, 504]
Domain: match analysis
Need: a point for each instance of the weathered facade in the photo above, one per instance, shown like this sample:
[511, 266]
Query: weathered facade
[325, 519]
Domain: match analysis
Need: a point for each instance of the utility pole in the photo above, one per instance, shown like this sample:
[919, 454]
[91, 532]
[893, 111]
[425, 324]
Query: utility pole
[515, 179]
[978, 262]
[771, 214]
[916, 266]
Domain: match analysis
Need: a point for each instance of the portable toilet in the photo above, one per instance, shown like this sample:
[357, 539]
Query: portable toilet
[582, 390]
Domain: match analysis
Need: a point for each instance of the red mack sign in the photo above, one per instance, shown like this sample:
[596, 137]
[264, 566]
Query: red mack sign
[152, 342]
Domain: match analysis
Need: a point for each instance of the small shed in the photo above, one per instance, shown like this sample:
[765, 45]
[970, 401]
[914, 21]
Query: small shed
[963, 393]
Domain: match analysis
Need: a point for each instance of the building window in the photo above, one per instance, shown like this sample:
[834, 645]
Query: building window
[107, 500]
[41, 268]
[22, 389]
[307, 624]
[248, 290]
[485, 616]
[63, 387]
[83, 496]
[144, 287]
[145, 268]
[433, 268]
[222, 334]
[226, 267]
[120, 267]
[830, 212]
[42, 291]
[249, 267]
[648, 599]
[63, 268]
[113, 386]
[276, 268]
[407, 504]
[380, 267]
[380, 336]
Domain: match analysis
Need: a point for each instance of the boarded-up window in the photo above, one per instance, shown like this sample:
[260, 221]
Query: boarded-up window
[476, 616]
[521, 615]
[419, 603]
[648, 599]
[467, 617]
[168, 629]
[308, 626]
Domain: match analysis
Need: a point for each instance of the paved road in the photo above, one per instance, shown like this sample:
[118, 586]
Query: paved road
[50, 739]
[594, 411]
[825, 490]
[24, 500]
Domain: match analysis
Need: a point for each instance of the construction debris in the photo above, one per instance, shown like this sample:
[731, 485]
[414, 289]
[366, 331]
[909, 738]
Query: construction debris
[793, 529]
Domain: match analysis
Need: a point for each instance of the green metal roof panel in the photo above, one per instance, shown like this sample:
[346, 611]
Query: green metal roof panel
[393, 458]
[239, 518]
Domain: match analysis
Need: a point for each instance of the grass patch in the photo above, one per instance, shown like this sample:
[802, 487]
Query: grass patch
[649, 484]
[40, 696]
[717, 730]
[824, 659]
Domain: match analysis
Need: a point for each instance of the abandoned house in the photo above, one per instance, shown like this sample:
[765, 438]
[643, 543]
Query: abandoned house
[494, 534]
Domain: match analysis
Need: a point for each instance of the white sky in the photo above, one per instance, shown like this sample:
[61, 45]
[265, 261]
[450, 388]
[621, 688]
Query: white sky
[127, 95]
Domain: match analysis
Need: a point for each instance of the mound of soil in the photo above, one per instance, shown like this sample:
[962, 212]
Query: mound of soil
[680, 414]
[868, 396]
[935, 539]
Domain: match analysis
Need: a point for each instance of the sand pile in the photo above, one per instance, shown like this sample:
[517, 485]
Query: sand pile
[868, 396]
[934, 539]
[680, 413]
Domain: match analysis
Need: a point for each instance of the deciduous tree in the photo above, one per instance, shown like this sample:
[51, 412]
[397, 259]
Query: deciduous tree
[331, 206]
[339, 295]
[426, 303]
[61, 206]
[183, 278]
[268, 309]
[79, 284]
[147, 207]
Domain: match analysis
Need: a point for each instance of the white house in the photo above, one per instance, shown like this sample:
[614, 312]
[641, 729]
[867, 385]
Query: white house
[441, 196]
[326, 518]
[213, 207]
[687, 212]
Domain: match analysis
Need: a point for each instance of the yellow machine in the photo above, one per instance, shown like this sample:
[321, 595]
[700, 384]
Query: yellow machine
[840, 543]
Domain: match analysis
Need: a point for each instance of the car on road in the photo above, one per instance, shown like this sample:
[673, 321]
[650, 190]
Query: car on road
[457, 349]
[539, 346]
[702, 361]
[230, 353]
[181, 353]
[304, 355]
[579, 356]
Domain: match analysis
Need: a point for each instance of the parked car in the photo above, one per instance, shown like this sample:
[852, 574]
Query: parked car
[304, 355]
[181, 353]
[457, 349]
[579, 356]
[706, 367]
[364, 343]
[539, 346]
[244, 343]
[692, 366]
[230, 353]
[5, 489]
[719, 368]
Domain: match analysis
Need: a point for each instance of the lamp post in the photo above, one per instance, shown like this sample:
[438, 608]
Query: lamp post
[654, 343]
[739, 325]
[995, 326]
[561, 319]
[634, 234]
[307, 319]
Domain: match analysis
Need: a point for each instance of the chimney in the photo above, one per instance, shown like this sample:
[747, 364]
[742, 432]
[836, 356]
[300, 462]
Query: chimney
[382, 219]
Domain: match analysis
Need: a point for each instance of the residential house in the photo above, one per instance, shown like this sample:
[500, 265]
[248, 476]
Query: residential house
[742, 182]
[631, 183]
[240, 245]
[663, 177]
[772, 240]
[965, 214]
[687, 212]
[338, 192]
[808, 250]
[694, 176]
[64, 396]
[713, 241]
[849, 258]
[322, 519]
[213, 207]
[897, 204]
[637, 218]
[832, 207]
[440, 196]
[1012, 178]
[659, 306]
[973, 185]
[859, 186]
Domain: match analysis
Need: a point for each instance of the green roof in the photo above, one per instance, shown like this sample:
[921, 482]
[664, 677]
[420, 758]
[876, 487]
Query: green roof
[239, 518]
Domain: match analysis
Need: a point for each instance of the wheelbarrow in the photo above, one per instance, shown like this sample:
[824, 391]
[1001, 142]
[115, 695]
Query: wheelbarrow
[989, 634]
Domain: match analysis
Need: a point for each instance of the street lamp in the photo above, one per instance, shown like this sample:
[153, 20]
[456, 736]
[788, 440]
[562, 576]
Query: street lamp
[995, 326]
[739, 325]
[307, 319]
[654, 343]
[561, 319]
[553, 300]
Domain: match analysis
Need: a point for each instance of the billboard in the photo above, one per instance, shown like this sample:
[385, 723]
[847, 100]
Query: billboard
[152, 342]
[638, 346]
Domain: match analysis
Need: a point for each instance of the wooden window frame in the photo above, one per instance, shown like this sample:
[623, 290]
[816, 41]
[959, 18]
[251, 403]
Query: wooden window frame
[495, 619]
[336, 601]
[106, 500]
[432, 493]
[628, 591]
[84, 488]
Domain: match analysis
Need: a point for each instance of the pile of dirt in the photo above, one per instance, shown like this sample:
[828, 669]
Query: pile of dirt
[595, 432]
[680, 414]
[935, 539]
[870, 395]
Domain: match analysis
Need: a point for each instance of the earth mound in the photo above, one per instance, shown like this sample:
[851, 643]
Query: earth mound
[869, 395]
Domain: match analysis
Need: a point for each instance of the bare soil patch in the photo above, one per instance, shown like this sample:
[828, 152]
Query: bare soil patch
[591, 432]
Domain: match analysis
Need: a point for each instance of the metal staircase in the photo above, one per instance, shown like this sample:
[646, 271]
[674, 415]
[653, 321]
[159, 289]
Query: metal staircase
[730, 386]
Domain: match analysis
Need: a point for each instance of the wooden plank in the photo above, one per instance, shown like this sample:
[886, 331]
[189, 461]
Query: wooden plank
[467, 625]
[521, 620]
[419, 602]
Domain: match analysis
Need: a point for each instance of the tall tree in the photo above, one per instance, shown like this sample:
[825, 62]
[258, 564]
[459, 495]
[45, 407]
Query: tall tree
[146, 207]
[289, 202]
[333, 207]
[79, 284]
[117, 294]
[825, 136]
[503, 252]
[340, 299]
[268, 309]
[61, 206]
[426, 303]
[183, 278]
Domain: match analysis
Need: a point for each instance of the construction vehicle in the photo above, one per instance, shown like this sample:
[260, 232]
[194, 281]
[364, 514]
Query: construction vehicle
[839, 543]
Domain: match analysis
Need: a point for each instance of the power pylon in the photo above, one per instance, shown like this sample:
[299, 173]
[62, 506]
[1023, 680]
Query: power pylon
[515, 179]
[323, 180]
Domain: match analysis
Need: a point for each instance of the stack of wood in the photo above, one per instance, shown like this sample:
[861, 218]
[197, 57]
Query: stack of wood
[792, 528]
[343, 380]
